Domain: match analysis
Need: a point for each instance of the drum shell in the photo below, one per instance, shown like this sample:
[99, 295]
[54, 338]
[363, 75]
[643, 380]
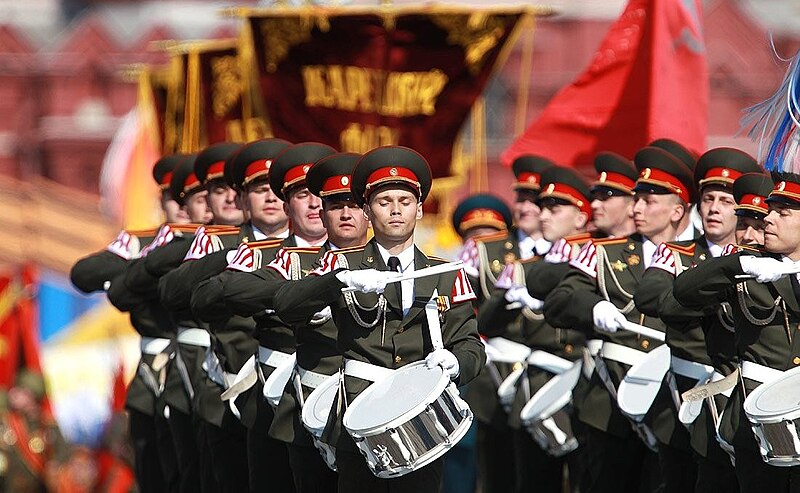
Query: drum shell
[397, 449]
[327, 451]
[555, 443]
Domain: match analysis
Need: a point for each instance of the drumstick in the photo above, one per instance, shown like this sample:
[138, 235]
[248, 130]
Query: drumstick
[644, 331]
[425, 272]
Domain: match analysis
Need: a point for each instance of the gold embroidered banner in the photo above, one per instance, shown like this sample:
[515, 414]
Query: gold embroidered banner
[358, 78]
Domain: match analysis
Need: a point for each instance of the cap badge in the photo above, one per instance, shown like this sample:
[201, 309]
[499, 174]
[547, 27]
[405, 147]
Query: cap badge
[603, 176]
[345, 181]
[532, 179]
[726, 172]
[305, 168]
[781, 186]
[646, 173]
[267, 164]
[756, 200]
[393, 171]
[550, 188]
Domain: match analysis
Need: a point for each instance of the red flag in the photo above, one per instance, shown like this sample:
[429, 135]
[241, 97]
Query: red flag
[119, 390]
[647, 80]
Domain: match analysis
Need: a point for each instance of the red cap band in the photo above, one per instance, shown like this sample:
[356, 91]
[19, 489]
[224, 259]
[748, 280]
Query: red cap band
[720, 175]
[295, 175]
[751, 201]
[482, 217]
[661, 178]
[529, 179]
[615, 180]
[165, 180]
[256, 169]
[335, 184]
[788, 189]
[566, 192]
[190, 183]
[215, 170]
[390, 174]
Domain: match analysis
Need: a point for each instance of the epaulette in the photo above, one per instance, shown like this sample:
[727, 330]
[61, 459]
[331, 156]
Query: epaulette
[265, 243]
[749, 248]
[308, 249]
[222, 230]
[687, 250]
[500, 235]
[185, 228]
[142, 232]
[352, 249]
[609, 241]
[578, 238]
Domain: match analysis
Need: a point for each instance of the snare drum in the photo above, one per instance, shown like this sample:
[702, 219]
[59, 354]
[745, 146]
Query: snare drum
[315, 415]
[773, 410]
[407, 420]
[277, 380]
[546, 417]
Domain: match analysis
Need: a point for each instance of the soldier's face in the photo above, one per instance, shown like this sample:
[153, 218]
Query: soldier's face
[172, 210]
[196, 206]
[719, 218]
[265, 208]
[224, 204]
[303, 208]
[526, 212]
[560, 220]
[345, 222]
[394, 213]
[749, 231]
[782, 230]
[654, 213]
[610, 212]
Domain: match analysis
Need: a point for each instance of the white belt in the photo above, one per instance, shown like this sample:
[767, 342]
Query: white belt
[621, 354]
[549, 362]
[717, 376]
[759, 373]
[310, 378]
[365, 371]
[271, 357]
[691, 369]
[153, 345]
[194, 336]
[594, 345]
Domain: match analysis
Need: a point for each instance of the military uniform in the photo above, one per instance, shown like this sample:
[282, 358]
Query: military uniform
[610, 270]
[496, 468]
[397, 337]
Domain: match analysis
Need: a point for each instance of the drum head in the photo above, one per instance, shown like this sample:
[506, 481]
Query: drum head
[276, 382]
[406, 392]
[318, 405]
[778, 399]
[502, 350]
[638, 389]
[553, 395]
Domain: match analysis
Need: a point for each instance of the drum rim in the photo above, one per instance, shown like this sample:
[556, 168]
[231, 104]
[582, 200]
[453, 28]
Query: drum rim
[441, 385]
[627, 386]
[550, 383]
[330, 382]
[772, 417]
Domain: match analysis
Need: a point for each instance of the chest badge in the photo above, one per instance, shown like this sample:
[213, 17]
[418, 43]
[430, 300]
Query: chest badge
[634, 259]
[618, 266]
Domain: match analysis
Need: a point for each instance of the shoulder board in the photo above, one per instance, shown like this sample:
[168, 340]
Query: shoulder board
[265, 243]
[143, 232]
[309, 249]
[222, 230]
[578, 238]
[683, 247]
[500, 235]
[748, 248]
[186, 228]
[353, 249]
[610, 241]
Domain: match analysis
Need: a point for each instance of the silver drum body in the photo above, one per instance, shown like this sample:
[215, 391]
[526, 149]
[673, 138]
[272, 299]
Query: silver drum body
[407, 420]
[773, 410]
[315, 416]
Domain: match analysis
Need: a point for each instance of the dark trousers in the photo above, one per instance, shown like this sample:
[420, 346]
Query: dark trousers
[166, 451]
[619, 465]
[354, 476]
[147, 467]
[268, 461]
[713, 477]
[543, 473]
[311, 474]
[228, 445]
[208, 481]
[186, 450]
[678, 469]
[496, 471]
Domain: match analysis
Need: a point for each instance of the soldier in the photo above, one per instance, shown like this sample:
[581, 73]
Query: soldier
[690, 222]
[392, 183]
[565, 213]
[156, 464]
[693, 342]
[496, 469]
[761, 342]
[230, 294]
[751, 191]
[597, 295]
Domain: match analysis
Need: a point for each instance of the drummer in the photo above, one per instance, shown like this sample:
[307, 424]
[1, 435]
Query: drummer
[694, 339]
[596, 297]
[392, 183]
[765, 337]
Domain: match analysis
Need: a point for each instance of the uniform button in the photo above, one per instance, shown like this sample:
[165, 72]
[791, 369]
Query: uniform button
[568, 348]
[398, 359]
[645, 343]
[516, 366]
[796, 360]
[400, 330]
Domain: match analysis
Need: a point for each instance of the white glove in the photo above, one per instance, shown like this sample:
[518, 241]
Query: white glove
[520, 294]
[445, 359]
[766, 269]
[606, 317]
[365, 280]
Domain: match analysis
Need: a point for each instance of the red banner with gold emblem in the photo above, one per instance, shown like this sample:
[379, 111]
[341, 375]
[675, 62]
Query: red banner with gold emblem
[356, 79]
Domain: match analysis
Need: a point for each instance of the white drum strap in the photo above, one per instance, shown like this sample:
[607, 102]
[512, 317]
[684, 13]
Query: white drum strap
[691, 369]
[244, 379]
[434, 324]
[365, 371]
[590, 351]
[759, 373]
[271, 357]
[194, 336]
[549, 362]
[621, 354]
[153, 345]
[310, 378]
